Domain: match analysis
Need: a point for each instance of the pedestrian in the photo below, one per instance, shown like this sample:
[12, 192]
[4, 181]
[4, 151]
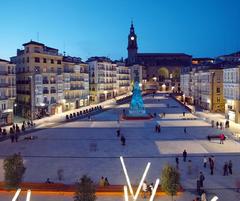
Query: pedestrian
[177, 162]
[217, 124]
[221, 125]
[101, 182]
[189, 167]
[118, 132]
[164, 114]
[23, 128]
[11, 134]
[184, 155]
[150, 188]
[106, 182]
[156, 128]
[185, 130]
[230, 167]
[159, 128]
[212, 123]
[123, 140]
[204, 161]
[16, 136]
[222, 138]
[203, 196]
[201, 179]
[225, 169]
[14, 127]
[183, 114]
[155, 114]
[144, 189]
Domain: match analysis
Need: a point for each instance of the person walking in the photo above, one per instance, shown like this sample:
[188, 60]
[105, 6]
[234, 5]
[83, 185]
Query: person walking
[159, 128]
[211, 165]
[185, 130]
[217, 124]
[184, 155]
[118, 132]
[11, 134]
[203, 196]
[144, 189]
[204, 161]
[201, 179]
[177, 162]
[123, 140]
[230, 167]
[225, 169]
[101, 182]
[221, 125]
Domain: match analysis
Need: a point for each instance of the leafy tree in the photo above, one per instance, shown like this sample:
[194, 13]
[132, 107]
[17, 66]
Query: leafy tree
[13, 170]
[170, 180]
[85, 190]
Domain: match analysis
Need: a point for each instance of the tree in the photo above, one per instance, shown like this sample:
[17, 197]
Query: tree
[13, 170]
[170, 180]
[85, 190]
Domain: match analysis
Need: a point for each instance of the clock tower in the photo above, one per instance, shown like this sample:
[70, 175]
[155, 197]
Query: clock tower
[132, 45]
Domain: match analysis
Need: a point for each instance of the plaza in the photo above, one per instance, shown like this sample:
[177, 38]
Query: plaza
[93, 148]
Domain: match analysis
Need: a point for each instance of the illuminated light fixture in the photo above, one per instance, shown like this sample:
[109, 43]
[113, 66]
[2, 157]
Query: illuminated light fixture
[125, 193]
[16, 194]
[154, 190]
[215, 198]
[126, 175]
[142, 180]
[128, 180]
[28, 195]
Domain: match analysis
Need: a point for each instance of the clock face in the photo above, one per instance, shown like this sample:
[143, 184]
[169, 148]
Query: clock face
[132, 38]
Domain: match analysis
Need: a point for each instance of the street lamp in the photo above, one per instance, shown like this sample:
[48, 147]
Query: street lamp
[15, 108]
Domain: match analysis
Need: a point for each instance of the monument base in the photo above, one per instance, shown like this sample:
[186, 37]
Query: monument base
[136, 117]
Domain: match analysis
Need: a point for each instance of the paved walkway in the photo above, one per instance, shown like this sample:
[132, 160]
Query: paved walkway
[92, 148]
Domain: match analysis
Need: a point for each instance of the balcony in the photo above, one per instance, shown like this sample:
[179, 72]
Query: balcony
[52, 81]
[124, 85]
[77, 88]
[22, 92]
[4, 97]
[23, 82]
[3, 85]
[3, 72]
[53, 91]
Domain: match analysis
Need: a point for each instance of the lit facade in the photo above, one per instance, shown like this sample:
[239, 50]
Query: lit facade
[231, 83]
[75, 83]
[7, 92]
[103, 81]
[123, 78]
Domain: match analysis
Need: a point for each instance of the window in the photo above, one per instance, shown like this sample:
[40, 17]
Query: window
[37, 69]
[218, 90]
[27, 59]
[27, 49]
[218, 100]
[52, 61]
[52, 70]
[44, 60]
[59, 62]
[37, 59]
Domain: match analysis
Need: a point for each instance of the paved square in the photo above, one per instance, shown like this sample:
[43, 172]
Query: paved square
[93, 148]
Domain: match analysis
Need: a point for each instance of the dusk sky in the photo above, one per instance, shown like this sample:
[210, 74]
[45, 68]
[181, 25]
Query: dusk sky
[85, 28]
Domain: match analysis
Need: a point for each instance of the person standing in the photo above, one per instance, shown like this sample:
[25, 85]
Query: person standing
[106, 182]
[185, 130]
[204, 161]
[177, 162]
[225, 169]
[203, 196]
[159, 128]
[230, 167]
[201, 179]
[184, 155]
[11, 134]
[101, 182]
[211, 165]
[118, 132]
[217, 124]
[123, 140]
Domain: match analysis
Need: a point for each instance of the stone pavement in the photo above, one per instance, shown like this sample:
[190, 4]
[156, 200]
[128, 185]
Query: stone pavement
[92, 148]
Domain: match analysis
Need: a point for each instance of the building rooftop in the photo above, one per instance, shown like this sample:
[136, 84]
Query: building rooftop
[99, 59]
[3, 60]
[163, 54]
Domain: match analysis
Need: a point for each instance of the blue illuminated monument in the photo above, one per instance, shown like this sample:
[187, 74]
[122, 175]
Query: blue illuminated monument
[137, 110]
[137, 106]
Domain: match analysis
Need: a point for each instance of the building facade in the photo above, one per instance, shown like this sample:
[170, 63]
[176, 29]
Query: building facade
[103, 79]
[231, 83]
[7, 92]
[75, 83]
[44, 79]
[162, 68]
[123, 78]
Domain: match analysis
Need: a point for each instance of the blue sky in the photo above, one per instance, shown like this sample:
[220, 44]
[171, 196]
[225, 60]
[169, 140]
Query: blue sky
[100, 27]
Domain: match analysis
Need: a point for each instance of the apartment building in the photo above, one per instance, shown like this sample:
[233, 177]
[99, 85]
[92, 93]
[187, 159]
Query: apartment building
[123, 78]
[231, 88]
[75, 83]
[103, 81]
[7, 92]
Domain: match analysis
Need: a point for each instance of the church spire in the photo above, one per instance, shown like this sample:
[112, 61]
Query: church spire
[132, 45]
